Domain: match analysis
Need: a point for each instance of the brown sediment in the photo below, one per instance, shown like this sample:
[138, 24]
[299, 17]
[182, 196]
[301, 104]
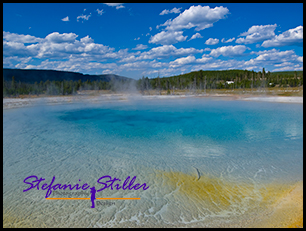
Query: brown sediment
[287, 212]
[279, 205]
[220, 192]
[12, 221]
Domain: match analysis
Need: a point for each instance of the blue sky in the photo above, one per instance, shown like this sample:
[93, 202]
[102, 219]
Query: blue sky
[147, 39]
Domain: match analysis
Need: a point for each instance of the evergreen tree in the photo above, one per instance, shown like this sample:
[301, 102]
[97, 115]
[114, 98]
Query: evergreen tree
[13, 85]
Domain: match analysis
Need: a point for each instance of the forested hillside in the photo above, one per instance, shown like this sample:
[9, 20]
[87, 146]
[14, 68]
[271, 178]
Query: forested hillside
[225, 79]
[20, 82]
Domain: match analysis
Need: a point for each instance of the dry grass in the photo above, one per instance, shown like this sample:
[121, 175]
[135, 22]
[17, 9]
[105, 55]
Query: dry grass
[288, 91]
[279, 91]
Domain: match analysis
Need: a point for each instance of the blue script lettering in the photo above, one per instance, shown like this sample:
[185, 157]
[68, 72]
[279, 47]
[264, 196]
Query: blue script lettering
[130, 186]
[34, 182]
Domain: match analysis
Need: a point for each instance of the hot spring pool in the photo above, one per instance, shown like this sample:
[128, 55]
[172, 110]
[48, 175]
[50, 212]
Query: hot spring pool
[208, 163]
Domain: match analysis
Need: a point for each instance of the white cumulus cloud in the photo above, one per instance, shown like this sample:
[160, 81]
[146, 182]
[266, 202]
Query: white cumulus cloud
[20, 38]
[287, 60]
[290, 37]
[197, 17]
[86, 39]
[196, 35]
[174, 10]
[56, 37]
[117, 5]
[227, 41]
[200, 17]
[140, 47]
[168, 37]
[231, 51]
[84, 17]
[257, 33]
[54, 46]
[212, 41]
[161, 52]
[100, 12]
[66, 19]
[182, 61]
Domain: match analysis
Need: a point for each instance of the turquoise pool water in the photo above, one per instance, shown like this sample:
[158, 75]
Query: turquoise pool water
[246, 144]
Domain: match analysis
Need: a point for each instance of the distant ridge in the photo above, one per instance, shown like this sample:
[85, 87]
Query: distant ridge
[36, 75]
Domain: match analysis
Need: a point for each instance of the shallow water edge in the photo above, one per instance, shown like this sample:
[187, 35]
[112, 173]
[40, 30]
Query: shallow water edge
[23, 102]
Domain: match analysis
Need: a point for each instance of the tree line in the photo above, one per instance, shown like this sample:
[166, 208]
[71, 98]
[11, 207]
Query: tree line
[64, 87]
[197, 80]
[228, 79]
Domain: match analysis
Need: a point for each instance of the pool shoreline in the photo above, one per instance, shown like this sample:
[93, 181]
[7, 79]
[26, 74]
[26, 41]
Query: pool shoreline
[9, 103]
